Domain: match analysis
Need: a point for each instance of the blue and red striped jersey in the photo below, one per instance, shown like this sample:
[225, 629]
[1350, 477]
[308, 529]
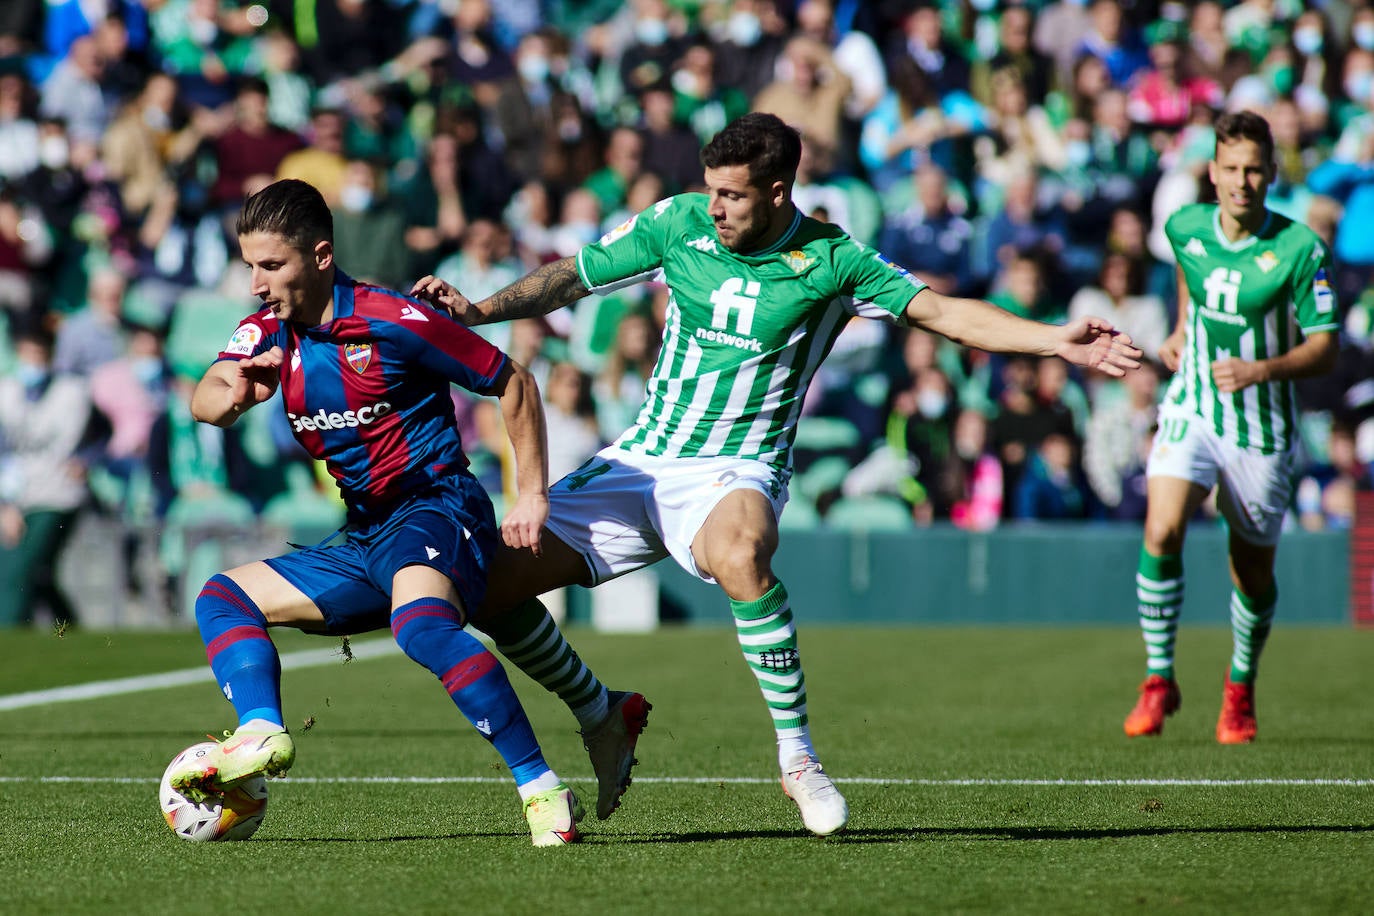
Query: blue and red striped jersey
[368, 391]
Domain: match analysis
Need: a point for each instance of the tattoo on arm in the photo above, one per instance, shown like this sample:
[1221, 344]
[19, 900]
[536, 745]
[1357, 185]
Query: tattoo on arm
[548, 287]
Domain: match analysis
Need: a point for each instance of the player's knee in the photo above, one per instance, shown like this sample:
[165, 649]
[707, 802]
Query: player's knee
[221, 597]
[743, 564]
[421, 627]
[1164, 536]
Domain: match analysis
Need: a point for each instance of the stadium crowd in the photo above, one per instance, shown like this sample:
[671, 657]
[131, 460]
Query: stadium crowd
[1026, 152]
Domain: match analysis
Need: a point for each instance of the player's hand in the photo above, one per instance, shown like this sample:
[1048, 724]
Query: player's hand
[1232, 375]
[523, 523]
[443, 296]
[256, 379]
[1171, 351]
[1094, 344]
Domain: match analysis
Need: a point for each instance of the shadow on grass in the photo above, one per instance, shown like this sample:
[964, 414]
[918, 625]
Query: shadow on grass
[885, 835]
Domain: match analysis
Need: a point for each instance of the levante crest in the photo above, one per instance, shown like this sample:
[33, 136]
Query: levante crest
[358, 356]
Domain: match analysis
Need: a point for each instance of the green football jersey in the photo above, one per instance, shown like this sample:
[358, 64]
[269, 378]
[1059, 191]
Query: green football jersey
[1247, 299]
[744, 333]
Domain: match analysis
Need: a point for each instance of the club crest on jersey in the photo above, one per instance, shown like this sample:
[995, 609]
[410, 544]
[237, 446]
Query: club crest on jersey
[1196, 248]
[797, 260]
[245, 338]
[358, 356]
[1267, 261]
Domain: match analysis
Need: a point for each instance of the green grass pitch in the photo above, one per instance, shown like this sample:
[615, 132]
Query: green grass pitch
[985, 768]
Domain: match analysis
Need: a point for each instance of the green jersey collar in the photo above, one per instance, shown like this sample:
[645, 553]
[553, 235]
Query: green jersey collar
[782, 240]
[1244, 243]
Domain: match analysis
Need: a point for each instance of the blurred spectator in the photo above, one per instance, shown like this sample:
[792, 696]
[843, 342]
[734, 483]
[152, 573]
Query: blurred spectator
[809, 93]
[856, 56]
[131, 394]
[619, 387]
[670, 147]
[1326, 495]
[624, 160]
[1052, 489]
[847, 202]
[25, 244]
[18, 130]
[1112, 40]
[1022, 421]
[570, 414]
[1348, 176]
[1022, 223]
[481, 267]
[978, 474]
[370, 230]
[1019, 138]
[353, 37]
[288, 91]
[658, 40]
[1060, 29]
[749, 37]
[1207, 37]
[1016, 53]
[144, 141]
[929, 238]
[73, 93]
[525, 114]
[921, 39]
[579, 223]
[205, 45]
[1119, 296]
[1118, 441]
[323, 161]
[1165, 94]
[375, 131]
[249, 151]
[703, 103]
[1020, 288]
[43, 418]
[94, 335]
[433, 200]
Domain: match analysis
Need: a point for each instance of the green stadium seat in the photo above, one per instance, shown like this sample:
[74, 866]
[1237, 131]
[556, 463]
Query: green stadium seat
[824, 475]
[869, 513]
[825, 434]
[800, 515]
[201, 324]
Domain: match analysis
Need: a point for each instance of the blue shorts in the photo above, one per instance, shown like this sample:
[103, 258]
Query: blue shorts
[449, 527]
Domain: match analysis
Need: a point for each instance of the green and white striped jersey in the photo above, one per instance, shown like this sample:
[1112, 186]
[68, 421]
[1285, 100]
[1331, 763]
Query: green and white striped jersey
[744, 333]
[1247, 299]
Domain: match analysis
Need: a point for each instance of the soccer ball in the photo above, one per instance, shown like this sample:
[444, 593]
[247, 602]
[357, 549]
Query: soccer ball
[232, 815]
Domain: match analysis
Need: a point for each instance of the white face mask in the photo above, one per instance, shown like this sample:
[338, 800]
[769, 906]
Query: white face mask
[745, 29]
[931, 404]
[53, 152]
[1363, 34]
[653, 32]
[355, 198]
[1308, 41]
[534, 69]
[1357, 86]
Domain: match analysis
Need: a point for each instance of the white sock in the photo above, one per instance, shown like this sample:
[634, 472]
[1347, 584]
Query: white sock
[541, 783]
[793, 749]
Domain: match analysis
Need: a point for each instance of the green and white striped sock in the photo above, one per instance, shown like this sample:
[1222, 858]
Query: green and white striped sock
[1159, 596]
[1251, 619]
[529, 638]
[768, 639]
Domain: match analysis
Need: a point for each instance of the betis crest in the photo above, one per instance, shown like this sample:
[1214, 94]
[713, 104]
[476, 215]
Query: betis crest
[358, 356]
[797, 260]
[1267, 261]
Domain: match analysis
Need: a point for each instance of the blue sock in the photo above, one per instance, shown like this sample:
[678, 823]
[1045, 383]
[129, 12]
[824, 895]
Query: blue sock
[241, 653]
[428, 630]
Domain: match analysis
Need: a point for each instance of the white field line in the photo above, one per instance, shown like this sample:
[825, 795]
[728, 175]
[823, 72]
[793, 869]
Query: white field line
[306, 658]
[752, 781]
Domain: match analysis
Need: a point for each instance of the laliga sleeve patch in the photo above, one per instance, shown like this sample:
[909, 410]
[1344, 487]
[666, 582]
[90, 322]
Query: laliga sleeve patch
[1321, 292]
[245, 339]
[620, 231]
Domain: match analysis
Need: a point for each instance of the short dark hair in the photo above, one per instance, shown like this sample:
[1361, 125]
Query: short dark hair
[290, 208]
[761, 141]
[1246, 125]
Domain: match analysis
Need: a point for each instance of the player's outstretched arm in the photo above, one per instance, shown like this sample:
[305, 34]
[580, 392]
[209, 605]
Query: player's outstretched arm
[523, 413]
[1088, 342]
[229, 388]
[547, 287]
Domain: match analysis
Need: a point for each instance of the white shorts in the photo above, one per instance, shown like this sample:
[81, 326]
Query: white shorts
[1254, 489]
[624, 511]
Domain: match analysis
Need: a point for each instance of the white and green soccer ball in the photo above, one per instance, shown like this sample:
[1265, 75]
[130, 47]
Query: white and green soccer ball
[232, 815]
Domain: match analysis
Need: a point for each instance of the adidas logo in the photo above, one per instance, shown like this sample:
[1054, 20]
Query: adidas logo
[705, 243]
[411, 313]
[431, 552]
